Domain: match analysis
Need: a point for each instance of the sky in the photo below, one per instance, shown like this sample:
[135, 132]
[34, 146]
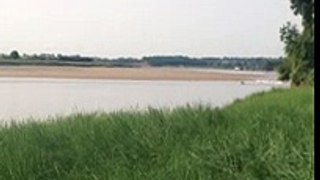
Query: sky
[136, 28]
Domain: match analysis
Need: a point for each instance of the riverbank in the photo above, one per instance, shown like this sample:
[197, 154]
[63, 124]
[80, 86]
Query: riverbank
[179, 74]
[268, 135]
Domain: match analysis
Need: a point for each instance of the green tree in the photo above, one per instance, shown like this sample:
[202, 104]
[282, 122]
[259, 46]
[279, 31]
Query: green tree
[298, 65]
[14, 55]
[305, 8]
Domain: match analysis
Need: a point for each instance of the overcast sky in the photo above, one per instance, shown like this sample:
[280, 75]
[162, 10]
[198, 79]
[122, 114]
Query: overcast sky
[114, 28]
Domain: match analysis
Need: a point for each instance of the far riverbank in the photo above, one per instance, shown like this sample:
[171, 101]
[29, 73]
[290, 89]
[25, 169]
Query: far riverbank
[180, 74]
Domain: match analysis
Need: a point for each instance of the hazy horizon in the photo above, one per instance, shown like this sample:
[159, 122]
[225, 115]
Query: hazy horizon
[123, 28]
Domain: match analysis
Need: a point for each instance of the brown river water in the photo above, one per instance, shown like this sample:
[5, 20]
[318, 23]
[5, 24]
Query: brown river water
[23, 98]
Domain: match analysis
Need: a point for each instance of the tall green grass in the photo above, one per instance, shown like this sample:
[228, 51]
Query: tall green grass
[266, 136]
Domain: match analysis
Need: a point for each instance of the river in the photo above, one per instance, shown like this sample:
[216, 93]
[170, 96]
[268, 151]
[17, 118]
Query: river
[23, 98]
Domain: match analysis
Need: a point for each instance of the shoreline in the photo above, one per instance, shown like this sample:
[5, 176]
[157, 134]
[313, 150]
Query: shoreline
[146, 73]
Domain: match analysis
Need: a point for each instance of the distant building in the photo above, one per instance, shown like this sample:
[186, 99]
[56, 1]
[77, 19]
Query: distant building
[237, 69]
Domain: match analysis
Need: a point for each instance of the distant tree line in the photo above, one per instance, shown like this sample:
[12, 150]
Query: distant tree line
[260, 63]
[239, 63]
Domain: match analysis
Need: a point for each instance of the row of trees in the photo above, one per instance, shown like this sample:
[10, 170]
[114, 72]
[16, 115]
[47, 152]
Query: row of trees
[258, 63]
[16, 56]
[241, 63]
[298, 64]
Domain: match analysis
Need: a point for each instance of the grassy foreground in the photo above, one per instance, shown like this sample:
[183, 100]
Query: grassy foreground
[266, 136]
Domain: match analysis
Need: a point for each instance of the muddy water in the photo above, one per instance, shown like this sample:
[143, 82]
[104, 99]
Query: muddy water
[22, 98]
